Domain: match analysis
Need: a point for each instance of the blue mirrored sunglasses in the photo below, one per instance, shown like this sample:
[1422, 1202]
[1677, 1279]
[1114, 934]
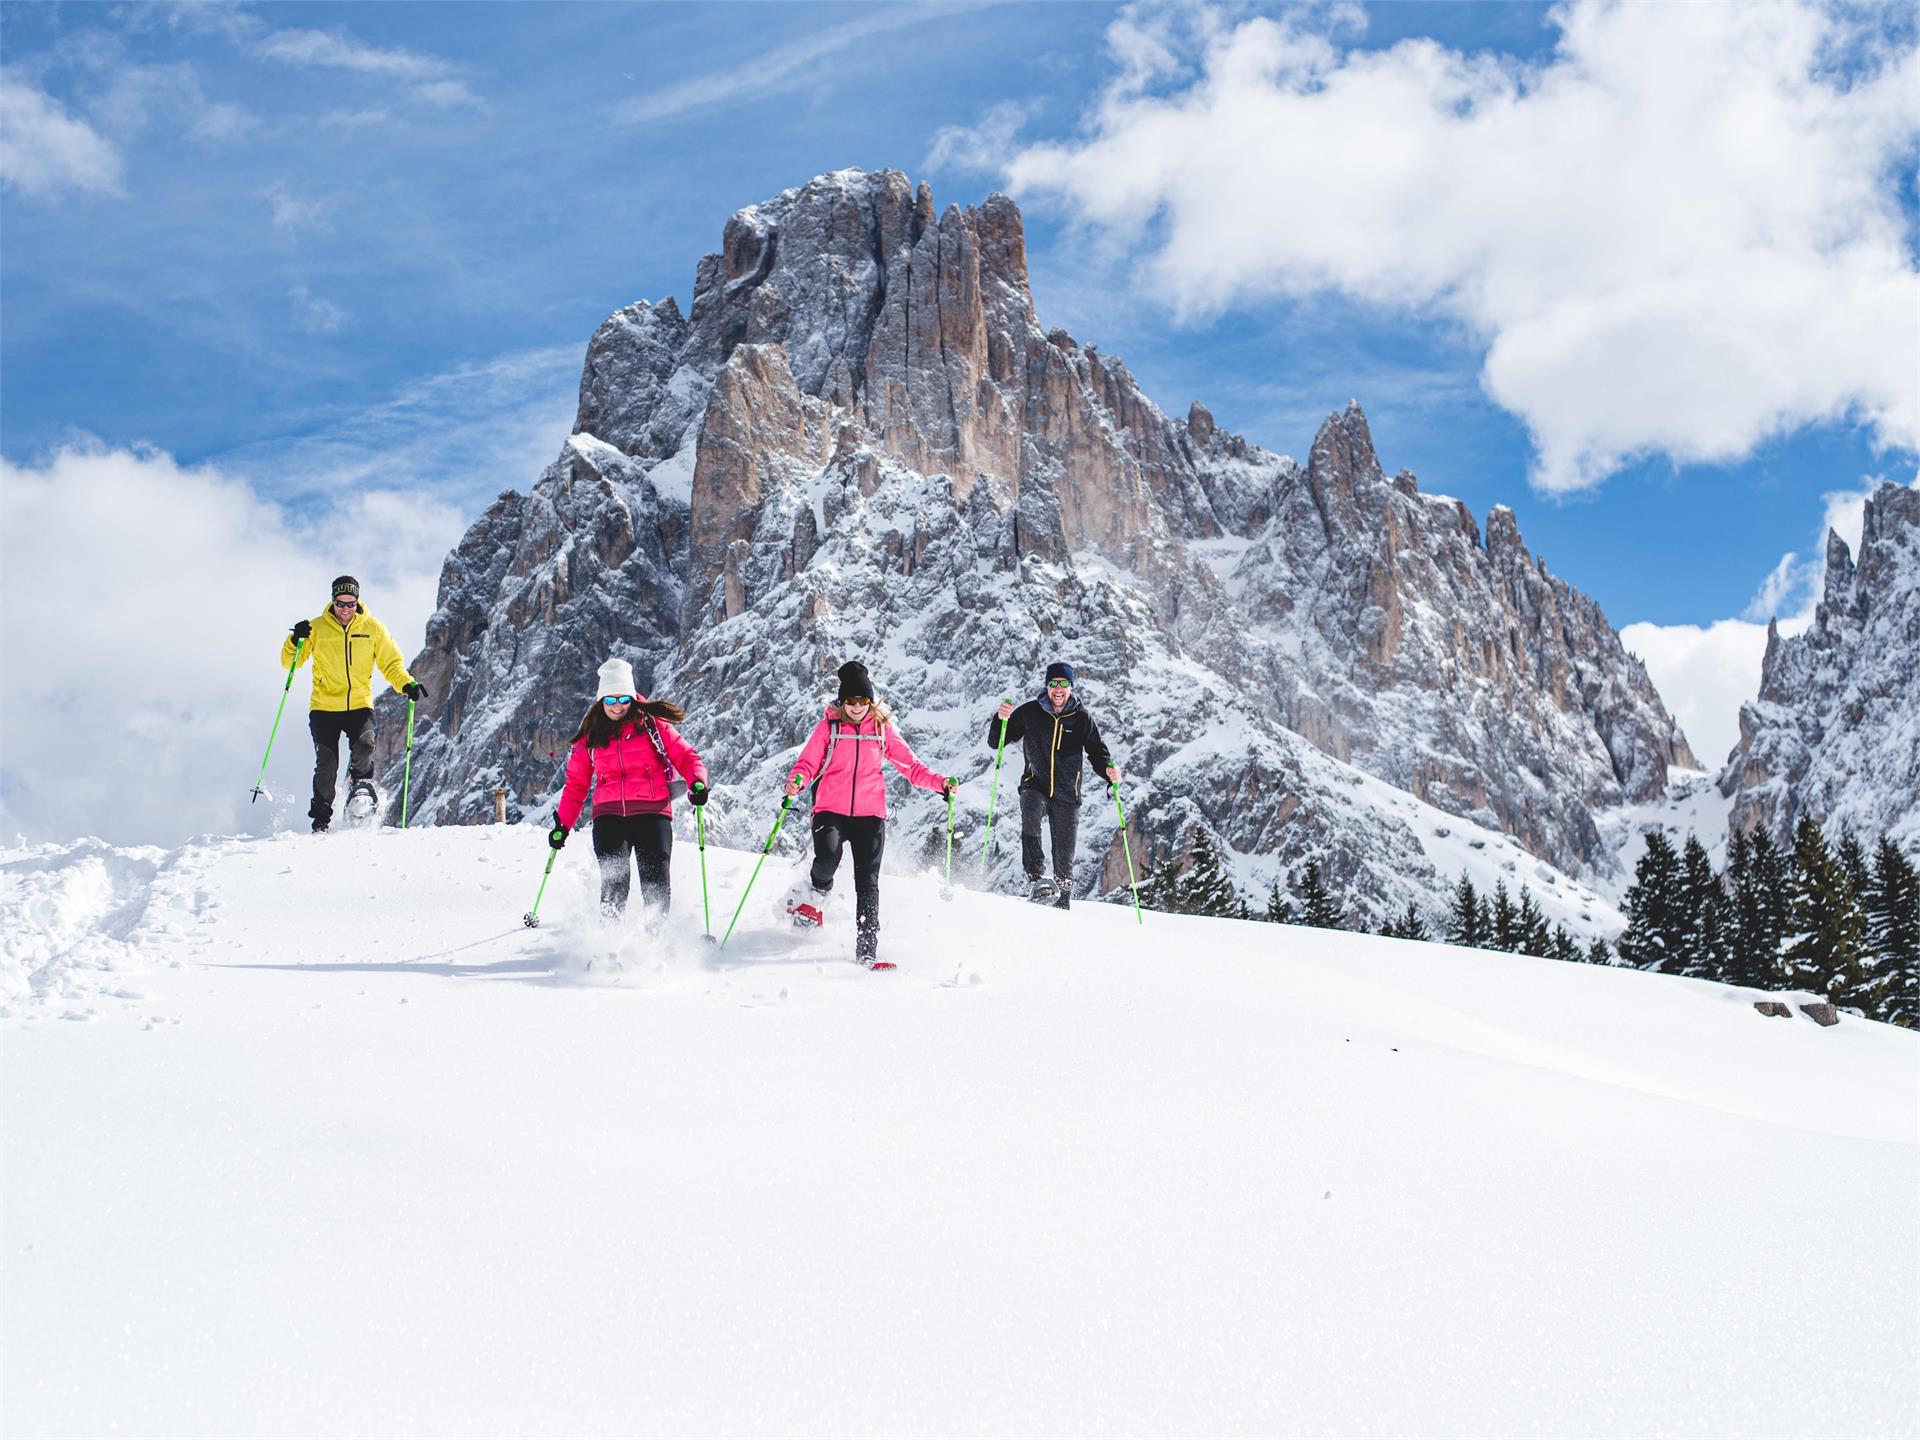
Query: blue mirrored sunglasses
[616, 699]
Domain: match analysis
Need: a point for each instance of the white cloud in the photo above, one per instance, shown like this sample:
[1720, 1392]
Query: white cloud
[1784, 580]
[469, 433]
[428, 78]
[129, 97]
[785, 68]
[315, 315]
[1705, 674]
[1678, 234]
[363, 119]
[977, 147]
[143, 607]
[293, 213]
[44, 150]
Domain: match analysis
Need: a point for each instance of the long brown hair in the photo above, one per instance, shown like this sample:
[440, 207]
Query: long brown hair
[598, 728]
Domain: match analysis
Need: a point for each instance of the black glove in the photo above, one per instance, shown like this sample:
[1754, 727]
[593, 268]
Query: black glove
[698, 792]
[301, 630]
[414, 690]
[557, 836]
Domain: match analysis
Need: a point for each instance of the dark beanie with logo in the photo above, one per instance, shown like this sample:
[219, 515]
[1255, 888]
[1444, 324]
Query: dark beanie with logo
[855, 683]
[346, 585]
[1060, 670]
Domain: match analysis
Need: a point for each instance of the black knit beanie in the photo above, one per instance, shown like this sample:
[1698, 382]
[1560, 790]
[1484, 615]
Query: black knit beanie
[1060, 670]
[346, 585]
[855, 683]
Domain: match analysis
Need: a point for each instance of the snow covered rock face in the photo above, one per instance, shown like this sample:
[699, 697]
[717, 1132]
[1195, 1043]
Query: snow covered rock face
[1459, 670]
[1835, 731]
[860, 442]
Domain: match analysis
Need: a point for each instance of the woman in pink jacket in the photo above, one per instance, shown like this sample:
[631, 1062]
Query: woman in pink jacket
[846, 753]
[623, 750]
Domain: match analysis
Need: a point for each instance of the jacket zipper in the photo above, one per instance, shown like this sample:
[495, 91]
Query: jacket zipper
[1053, 760]
[346, 648]
[853, 788]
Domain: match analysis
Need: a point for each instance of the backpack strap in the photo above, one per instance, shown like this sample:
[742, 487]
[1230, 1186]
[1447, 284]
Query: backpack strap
[833, 738]
[660, 749]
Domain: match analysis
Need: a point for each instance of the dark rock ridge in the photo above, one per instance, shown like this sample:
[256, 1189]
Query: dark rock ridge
[1835, 730]
[859, 440]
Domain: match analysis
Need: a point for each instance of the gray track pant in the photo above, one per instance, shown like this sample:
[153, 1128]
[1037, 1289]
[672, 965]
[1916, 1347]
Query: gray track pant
[1062, 819]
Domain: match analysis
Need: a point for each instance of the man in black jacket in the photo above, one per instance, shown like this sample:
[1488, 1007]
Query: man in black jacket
[1054, 732]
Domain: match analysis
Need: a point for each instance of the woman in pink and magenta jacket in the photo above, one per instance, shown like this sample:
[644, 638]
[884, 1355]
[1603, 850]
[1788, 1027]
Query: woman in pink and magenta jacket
[623, 750]
[844, 760]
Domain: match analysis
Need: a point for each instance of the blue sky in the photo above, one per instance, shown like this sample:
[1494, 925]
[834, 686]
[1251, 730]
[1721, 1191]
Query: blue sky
[334, 247]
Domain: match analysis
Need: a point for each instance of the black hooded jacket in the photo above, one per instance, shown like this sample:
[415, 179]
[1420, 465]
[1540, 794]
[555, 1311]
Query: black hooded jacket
[1053, 745]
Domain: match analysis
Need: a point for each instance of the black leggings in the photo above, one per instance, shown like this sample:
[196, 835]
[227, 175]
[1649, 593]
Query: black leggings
[649, 839]
[866, 836]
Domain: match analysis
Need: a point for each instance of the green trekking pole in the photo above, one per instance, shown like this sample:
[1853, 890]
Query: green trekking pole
[993, 795]
[706, 906]
[946, 890]
[1127, 845]
[259, 784]
[406, 778]
[532, 918]
[765, 849]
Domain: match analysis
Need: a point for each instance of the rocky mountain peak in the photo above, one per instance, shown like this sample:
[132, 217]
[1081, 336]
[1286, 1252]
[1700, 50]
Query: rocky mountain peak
[859, 441]
[1835, 729]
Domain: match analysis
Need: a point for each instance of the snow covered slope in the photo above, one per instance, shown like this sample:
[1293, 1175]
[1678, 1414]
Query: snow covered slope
[332, 1143]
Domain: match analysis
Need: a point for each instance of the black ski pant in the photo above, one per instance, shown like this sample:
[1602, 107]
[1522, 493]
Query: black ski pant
[1061, 818]
[327, 726]
[866, 836]
[649, 840]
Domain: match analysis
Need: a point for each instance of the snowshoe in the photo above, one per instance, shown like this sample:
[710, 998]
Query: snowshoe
[807, 907]
[1063, 898]
[1042, 890]
[866, 949]
[363, 801]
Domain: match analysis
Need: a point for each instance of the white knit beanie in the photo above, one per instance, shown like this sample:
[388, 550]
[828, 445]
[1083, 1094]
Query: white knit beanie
[616, 678]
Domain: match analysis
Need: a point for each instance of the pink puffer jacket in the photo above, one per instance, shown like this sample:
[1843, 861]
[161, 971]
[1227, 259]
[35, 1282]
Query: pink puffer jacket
[855, 782]
[626, 774]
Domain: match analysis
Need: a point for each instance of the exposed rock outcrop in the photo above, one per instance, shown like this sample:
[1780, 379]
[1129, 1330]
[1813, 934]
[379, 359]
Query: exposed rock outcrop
[860, 441]
[1835, 730]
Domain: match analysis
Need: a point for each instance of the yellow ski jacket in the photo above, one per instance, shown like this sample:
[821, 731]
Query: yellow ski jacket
[343, 660]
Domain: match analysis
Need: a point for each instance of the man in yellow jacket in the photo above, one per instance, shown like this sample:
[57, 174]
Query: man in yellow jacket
[345, 643]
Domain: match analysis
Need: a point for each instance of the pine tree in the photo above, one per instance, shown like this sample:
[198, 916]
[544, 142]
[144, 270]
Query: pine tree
[1406, 926]
[1598, 952]
[1703, 902]
[1279, 911]
[1853, 859]
[1770, 867]
[1749, 952]
[1317, 907]
[1656, 933]
[1564, 946]
[1463, 916]
[1534, 936]
[1893, 920]
[1205, 888]
[1826, 949]
[1506, 920]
